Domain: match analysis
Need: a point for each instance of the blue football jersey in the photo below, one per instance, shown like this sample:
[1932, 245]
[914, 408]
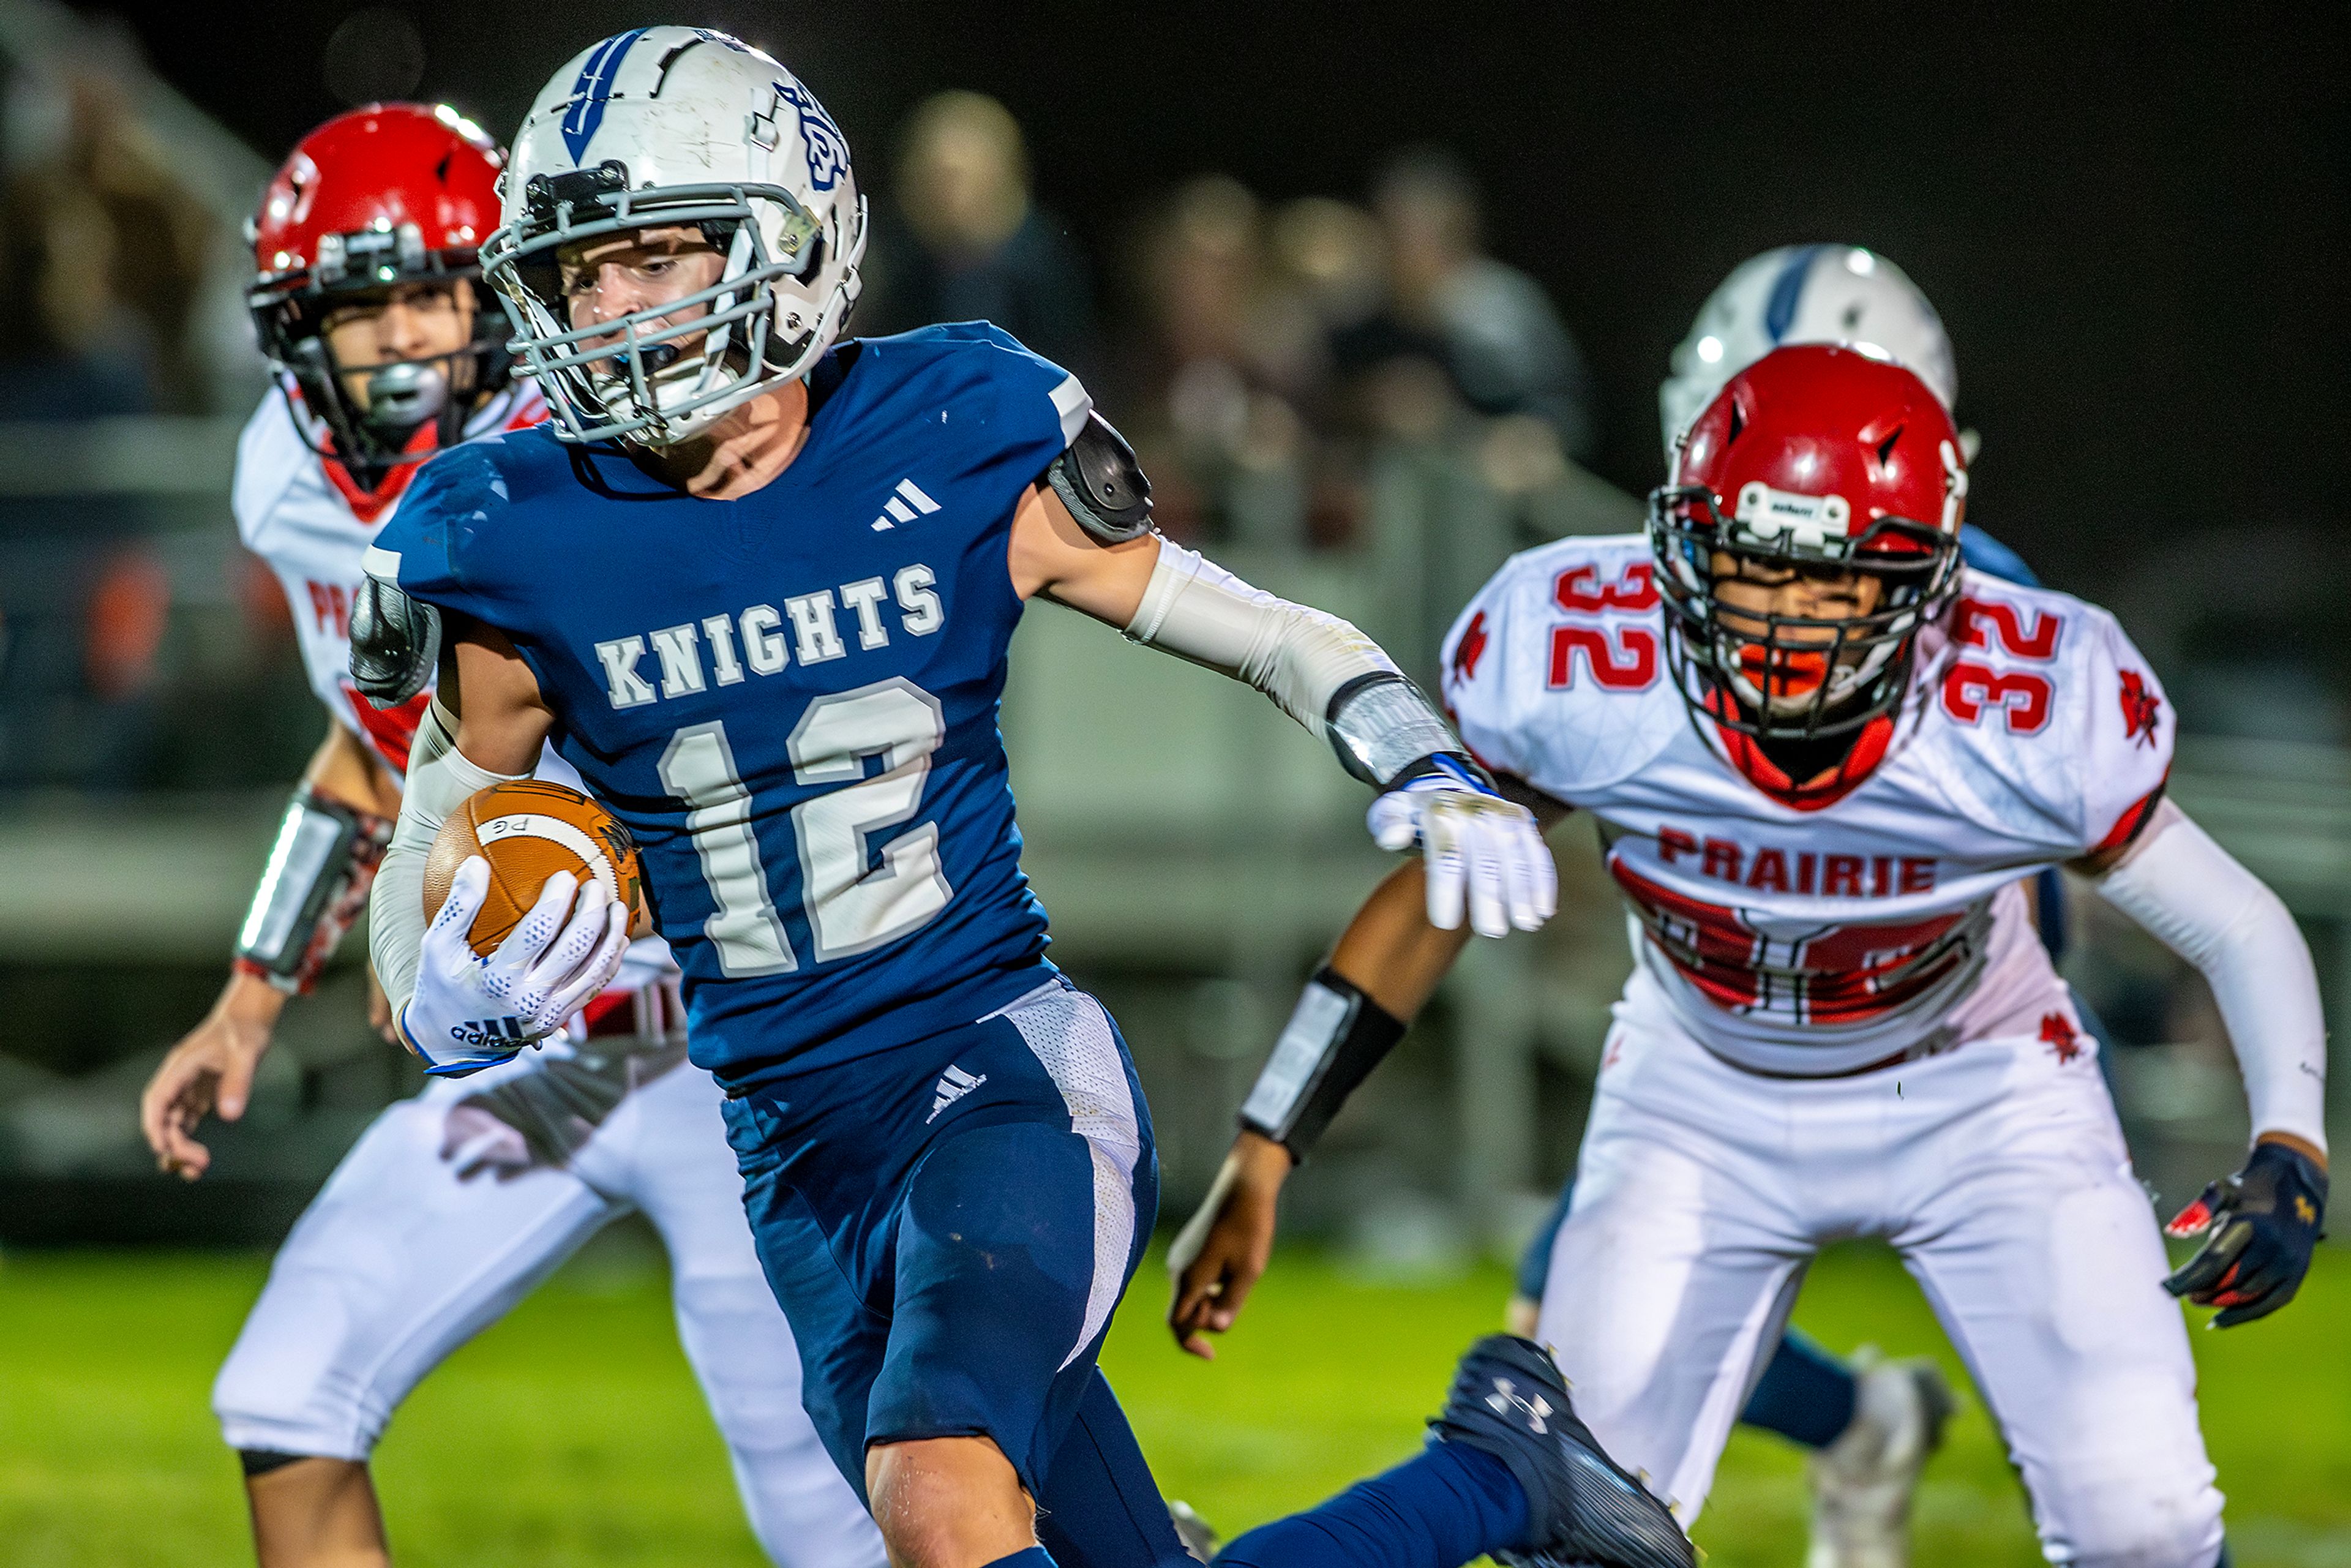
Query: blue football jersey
[792, 699]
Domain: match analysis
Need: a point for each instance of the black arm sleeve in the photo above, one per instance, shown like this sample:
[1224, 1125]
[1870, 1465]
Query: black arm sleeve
[1336, 1036]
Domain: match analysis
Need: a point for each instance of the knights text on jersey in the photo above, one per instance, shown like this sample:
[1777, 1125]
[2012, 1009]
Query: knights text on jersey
[1824, 935]
[791, 698]
[307, 527]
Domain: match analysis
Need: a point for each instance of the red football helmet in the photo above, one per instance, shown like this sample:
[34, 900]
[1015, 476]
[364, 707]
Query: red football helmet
[388, 194]
[1821, 461]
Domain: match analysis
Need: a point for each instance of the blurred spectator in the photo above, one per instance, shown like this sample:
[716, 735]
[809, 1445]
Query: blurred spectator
[963, 241]
[1233, 353]
[1454, 312]
[1334, 253]
[104, 260]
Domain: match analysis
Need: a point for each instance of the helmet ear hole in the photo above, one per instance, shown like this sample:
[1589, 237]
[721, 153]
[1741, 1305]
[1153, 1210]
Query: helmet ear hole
[1885, 447]
[1737, 422]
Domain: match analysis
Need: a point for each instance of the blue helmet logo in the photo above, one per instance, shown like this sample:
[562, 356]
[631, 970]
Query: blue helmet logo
[593, 91]
[827, 150]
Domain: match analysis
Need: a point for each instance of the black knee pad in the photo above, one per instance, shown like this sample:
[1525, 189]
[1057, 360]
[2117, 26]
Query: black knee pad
[261, 1461]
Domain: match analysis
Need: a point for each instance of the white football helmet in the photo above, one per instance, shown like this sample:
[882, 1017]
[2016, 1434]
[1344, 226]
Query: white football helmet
[677, 126]
[1805, 294]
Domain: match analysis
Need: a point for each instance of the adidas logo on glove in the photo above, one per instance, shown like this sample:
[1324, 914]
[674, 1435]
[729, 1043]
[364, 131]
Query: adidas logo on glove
[489, 1033]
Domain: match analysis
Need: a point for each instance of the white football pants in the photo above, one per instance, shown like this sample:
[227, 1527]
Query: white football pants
[398, 1261]
[1997, 1171]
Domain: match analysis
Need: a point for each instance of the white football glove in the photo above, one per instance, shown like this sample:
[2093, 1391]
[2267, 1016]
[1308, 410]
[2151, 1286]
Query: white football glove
[470, 1012]
[1476, 847]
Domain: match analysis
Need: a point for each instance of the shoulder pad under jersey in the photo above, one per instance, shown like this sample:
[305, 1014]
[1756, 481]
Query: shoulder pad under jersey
[395, 643]
[1555, 670]
[1101, 483]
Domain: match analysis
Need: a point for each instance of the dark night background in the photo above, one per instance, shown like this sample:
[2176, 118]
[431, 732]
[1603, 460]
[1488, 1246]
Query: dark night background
[2131, 219]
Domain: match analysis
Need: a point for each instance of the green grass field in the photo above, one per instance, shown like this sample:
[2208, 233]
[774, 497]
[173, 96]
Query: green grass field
[571, 1434]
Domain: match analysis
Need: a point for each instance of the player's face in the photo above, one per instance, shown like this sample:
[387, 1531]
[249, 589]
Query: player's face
[620, 275]
[1778, 658]
[408, 322]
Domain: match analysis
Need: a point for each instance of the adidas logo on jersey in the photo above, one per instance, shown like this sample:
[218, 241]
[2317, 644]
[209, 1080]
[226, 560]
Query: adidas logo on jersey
[906, 504]
[953, 1085]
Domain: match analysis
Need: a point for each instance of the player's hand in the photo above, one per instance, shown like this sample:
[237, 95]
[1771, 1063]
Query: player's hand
[1221, 1251]
[477, 1142]
[2261, 1225]
[209, 1072]
[1477, 849]
[471, 1012]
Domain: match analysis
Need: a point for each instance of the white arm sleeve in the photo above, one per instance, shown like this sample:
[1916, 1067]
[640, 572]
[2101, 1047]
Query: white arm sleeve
[1302, 658]
[2188, 893]
[439, 780]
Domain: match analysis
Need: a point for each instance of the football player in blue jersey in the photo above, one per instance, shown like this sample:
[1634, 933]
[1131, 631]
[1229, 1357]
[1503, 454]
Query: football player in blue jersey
[757, 586]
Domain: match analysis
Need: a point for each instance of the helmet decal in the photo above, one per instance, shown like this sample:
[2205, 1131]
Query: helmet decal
[593, 90]
[827, 150]
[1788, 292]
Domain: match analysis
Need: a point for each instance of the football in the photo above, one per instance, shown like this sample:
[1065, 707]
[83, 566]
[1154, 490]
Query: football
[528, 829]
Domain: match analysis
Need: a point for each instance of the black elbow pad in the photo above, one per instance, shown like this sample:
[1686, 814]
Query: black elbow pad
[396, 643]
[1101, 483]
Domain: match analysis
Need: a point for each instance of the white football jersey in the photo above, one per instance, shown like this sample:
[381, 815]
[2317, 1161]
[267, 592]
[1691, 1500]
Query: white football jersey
[1815, 934]
[301, 515]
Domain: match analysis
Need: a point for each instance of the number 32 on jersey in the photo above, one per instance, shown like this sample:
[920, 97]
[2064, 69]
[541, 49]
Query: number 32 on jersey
[1621, 655]
[850, 907]
[1973, 687]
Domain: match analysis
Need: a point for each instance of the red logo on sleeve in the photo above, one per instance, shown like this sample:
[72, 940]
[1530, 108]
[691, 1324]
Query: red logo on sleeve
[2140, 708]
[1470, 649]
[2057, 1033]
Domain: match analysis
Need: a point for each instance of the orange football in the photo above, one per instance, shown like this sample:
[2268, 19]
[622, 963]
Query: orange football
[528, 831]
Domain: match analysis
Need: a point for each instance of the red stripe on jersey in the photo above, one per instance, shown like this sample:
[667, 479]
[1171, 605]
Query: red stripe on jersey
[391, 730]
[1838, 974]
[2126, 826]
[1714, 948]
[1856, 972]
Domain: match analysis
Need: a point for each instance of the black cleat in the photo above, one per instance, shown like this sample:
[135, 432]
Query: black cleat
[1509, 1400]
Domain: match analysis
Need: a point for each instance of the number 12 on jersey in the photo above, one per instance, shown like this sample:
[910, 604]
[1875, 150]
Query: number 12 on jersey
[851, 907]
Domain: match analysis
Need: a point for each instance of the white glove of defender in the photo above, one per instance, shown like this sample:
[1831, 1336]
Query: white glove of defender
[1476, 847]
[471, 1012]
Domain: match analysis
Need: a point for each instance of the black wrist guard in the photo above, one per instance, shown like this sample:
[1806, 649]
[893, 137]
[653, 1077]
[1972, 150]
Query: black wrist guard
[1336, 1036]
[320, 868]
